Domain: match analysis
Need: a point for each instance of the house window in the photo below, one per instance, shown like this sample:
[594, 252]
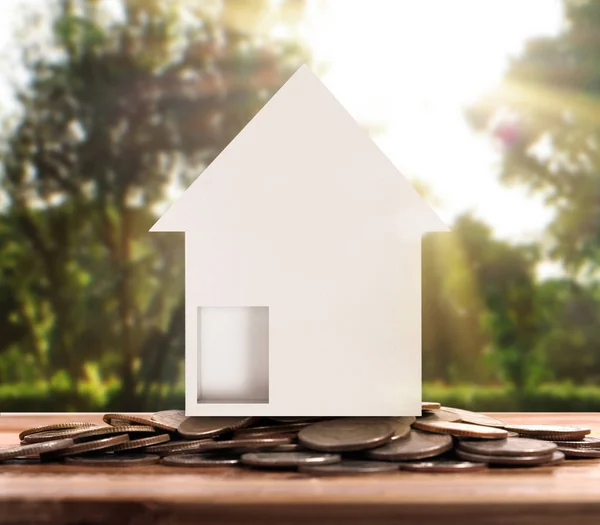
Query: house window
[233, 354]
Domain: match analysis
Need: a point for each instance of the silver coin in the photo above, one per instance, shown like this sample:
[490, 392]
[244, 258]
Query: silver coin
[442, 466]
[113, 460]
[237, 445]
[587, 442]
[170, 418]
[522, 461]
[294, 419]
[461, 429]
[401, 425]
[557, 458]
[550, 432]
[88, 433]
[141, 443]
[199, 460]
[346, 434]
[475, 418]
[178, 445]
[417, 445]
[55, 427]
[120, 420]
[35, 449]
[85, 447]
[508, 447]
[288, 459]
[204, 427]
[579, 453]
[348, 467]
[439, 415]
[271, 429]
[288, 447]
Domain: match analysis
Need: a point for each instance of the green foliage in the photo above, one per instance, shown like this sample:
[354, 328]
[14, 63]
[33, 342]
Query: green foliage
[550, 104]
[90, 396]
[121, 111]
[546, 116]
[555, 397]
[478, 306]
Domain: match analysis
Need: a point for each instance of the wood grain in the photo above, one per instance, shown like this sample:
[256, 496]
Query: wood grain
[155, 494]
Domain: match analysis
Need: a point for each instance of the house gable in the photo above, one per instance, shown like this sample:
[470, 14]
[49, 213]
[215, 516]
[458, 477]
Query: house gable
[303, 150]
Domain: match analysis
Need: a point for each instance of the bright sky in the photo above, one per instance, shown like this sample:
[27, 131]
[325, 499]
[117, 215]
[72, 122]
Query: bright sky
[410, 66]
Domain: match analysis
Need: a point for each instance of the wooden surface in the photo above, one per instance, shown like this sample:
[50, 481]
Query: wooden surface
[66, 494]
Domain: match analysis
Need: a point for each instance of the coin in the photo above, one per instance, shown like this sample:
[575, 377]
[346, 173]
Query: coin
[141, 443]
[119, 420]
[587, 442]
[401, 426]
[177, 445]
[34, 449]
[550, 432]
[461, 429]
[237, 444]
[199, 460]
[55, 426]
[293, 419]
[260, 442]
[113, 460]
[79, 434]
[288, 447]
[346, 434]
[288, 459]
[474, 418]
[21, 461]
[417, 445]
[439, 415]
[169, 418]
[557, 458]
[525, 461]
[273, 429]
[204, 427]
[88, 446]
[508, 447]
[575, 453]
[349, 467]
[442, 466]
[430, 405]
[375, 444]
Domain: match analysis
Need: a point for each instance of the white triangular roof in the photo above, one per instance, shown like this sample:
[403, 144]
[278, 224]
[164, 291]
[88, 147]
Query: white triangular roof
[302, 146]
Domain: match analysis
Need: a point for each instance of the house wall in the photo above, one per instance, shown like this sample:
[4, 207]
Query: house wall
[344, 321]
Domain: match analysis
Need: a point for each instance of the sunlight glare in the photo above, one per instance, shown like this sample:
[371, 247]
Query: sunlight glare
[410, 68]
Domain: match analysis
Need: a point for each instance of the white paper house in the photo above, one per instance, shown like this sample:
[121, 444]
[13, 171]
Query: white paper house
[303, 268]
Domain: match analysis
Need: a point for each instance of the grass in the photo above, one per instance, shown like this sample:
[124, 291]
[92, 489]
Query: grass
[57, 396]
[550, 397]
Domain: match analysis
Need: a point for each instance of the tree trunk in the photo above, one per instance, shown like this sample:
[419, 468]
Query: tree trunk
[128, 390]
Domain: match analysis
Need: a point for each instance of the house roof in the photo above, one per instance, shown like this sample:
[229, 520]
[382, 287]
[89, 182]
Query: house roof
[302, 132]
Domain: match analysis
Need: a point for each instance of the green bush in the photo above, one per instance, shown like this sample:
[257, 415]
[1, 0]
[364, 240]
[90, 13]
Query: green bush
[57, 396]
[551, 397]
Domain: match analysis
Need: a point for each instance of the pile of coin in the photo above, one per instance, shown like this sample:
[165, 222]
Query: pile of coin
[442, 439]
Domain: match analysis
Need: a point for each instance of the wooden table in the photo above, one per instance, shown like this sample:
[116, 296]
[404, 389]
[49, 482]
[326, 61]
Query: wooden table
[52, 494]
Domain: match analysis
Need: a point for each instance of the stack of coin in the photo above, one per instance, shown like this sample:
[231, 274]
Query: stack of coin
[442, 439]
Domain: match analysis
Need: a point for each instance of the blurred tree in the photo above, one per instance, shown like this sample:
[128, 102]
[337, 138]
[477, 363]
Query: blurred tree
[122, 108]
[546, 117]
[569, 316]
[478, 306]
